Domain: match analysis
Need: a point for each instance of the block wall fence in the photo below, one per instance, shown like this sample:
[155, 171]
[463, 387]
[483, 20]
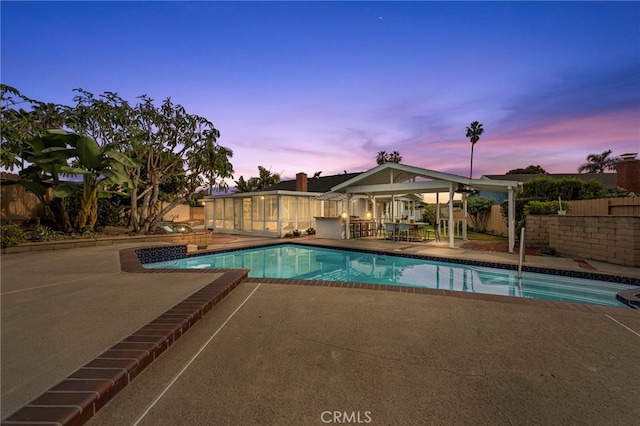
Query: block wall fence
[611, 239]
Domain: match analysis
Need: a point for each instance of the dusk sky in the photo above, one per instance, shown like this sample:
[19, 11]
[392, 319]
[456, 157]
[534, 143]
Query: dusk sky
[323, 86]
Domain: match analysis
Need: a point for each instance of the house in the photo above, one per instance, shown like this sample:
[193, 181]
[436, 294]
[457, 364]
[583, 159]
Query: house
[280, 209]
[387, 192]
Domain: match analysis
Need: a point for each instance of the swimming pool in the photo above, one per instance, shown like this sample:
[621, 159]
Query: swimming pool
[289, 261]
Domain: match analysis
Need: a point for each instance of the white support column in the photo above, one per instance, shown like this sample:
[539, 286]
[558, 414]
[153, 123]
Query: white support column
[393, 208]
[451, 229]
[438, 212]
[464, 218]
[512, 220]
[347, 220]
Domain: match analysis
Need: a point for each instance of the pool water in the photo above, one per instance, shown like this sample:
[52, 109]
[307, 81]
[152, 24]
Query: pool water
[290, 261]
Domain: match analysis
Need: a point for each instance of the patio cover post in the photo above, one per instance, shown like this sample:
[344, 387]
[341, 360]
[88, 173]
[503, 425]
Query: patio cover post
[450, 230]
[347, 218]
[437, 212]
[511, 220]
[464, 218]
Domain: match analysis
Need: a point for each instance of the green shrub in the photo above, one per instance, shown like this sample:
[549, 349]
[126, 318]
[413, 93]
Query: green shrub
[296, 233]
[548, 251]
[12, 235]
[43, 233]
[544, 207]
[311, 231]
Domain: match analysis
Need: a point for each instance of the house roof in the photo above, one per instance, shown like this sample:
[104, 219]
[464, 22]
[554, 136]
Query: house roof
[395, 178]
[608, 180]
[320, 184]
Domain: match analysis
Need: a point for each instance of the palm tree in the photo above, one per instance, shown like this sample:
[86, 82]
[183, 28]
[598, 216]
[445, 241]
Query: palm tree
[598, 163]
[266, 178]
[473, 132]
[394, 157]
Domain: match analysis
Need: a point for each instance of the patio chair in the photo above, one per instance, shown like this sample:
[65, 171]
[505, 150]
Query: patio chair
[169, 228]
[404, 228]
[390, 231]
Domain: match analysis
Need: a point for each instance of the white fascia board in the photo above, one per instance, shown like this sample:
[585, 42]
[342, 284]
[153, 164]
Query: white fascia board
[400, 188]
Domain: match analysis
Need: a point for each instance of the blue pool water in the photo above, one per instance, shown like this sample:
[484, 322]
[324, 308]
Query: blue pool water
[314, 263]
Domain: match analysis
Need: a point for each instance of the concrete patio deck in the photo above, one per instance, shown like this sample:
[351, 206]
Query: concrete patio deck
[286, 354]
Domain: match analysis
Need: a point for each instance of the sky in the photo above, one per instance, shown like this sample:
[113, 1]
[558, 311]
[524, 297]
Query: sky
[324, 86]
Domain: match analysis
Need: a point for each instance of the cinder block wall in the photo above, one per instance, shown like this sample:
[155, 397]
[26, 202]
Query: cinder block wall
[537, 231]
[611, 239]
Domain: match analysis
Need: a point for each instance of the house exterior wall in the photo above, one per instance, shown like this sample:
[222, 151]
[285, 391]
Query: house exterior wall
[265, 214]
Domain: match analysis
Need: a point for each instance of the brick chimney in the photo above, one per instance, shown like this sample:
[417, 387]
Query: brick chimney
[628, 169]
[301, 182]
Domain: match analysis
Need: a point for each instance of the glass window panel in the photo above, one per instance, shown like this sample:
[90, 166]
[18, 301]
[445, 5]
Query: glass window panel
[257, 208]
[271, 207]
[246, 214]
[219, 212]
[303, 209]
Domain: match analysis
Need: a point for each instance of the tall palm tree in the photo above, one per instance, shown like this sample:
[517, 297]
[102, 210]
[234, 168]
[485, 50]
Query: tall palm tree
[394, 157]
[598, 163]
[473, 133]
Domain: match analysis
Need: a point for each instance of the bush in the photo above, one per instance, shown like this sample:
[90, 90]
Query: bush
[544, 207]
[12, 235]
[311, 231]
[43, 233]
[548, 251]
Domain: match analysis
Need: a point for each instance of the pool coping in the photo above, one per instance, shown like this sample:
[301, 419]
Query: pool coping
[75, 399]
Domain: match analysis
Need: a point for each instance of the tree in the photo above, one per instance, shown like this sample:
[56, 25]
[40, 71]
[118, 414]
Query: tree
[531, 170]
[100, 167]
[190, 138]
[478, 209]
[45, 156]
[384, 157]
[19, 126]
[598, 163]
[176, 149]
[473, 133]
[59, 152]
[169, 143]
[264, 180]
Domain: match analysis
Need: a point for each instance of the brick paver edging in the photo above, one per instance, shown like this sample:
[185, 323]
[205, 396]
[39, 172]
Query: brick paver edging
[77, 398]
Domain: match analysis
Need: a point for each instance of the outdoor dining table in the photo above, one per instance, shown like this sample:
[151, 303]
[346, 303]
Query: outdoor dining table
[414, 228]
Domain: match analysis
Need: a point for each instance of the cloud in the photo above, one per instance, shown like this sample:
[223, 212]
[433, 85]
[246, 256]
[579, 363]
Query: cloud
[576, 93]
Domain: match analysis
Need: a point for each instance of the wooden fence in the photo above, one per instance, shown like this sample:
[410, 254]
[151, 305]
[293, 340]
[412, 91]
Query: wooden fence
[624, 206]
[627, 206]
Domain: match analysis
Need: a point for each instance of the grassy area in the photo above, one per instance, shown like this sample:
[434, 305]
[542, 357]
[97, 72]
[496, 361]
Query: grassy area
[476, 236]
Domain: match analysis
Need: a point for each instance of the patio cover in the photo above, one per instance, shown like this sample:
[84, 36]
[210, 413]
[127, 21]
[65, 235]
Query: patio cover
[399, 179]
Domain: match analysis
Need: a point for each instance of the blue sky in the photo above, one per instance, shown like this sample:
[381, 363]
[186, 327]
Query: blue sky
[323, 86]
